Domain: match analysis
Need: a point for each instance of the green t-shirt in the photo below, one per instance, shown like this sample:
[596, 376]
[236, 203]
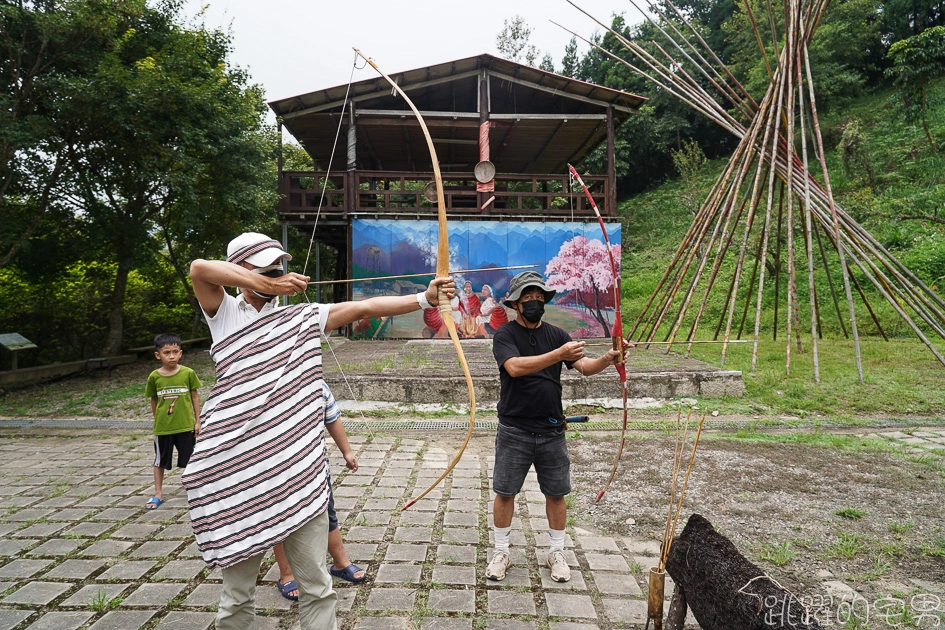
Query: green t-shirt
[175, 409]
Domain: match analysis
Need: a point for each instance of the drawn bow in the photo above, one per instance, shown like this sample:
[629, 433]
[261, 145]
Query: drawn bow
[442, 270]
[616, 331]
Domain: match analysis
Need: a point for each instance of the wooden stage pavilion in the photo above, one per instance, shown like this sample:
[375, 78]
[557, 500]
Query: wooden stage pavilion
[528, 123]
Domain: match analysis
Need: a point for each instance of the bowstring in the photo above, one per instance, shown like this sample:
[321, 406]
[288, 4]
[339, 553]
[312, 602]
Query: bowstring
[331, 158]
[571, 205]
[311, 242]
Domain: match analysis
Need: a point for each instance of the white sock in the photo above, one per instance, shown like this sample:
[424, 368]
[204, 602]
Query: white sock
[557, 540]
[501, 535]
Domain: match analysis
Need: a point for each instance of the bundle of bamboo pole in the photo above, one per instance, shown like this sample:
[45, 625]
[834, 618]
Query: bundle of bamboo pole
[767, 186]
[657, 576]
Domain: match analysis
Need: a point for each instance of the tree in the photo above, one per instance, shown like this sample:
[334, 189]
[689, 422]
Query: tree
[904, 18]
[547, 63]
[690, 161]
[570, 61]
[512, 41]
[916, 62]
[583, 266]
[167, 136]
[846, 52]
[45, 43]
[238, 203]
[708, 16]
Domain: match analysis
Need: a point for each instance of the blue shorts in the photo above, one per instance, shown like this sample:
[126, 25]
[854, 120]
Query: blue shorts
[517, 450]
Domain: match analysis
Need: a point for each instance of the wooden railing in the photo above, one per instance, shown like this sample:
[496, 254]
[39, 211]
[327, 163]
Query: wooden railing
[300, 192]
[388, 192]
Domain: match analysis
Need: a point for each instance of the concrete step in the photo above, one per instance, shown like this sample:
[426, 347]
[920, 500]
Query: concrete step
[427, 371]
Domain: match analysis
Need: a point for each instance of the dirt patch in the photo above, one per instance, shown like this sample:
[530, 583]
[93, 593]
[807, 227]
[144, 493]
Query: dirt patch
[807, 514]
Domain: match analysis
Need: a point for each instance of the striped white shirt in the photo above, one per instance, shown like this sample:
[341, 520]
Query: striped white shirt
[259, 470]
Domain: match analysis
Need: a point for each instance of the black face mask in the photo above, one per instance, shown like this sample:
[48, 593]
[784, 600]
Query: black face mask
[533, 310]
[272, 271]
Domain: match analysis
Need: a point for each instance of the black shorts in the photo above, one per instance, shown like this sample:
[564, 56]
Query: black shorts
[517, 450]
[164, 446]
[332, 515]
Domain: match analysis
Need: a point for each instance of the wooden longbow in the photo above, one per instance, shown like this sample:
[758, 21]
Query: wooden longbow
[442, 270]
[616, 332]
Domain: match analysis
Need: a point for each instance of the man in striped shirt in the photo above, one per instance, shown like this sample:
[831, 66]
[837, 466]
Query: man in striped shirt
[229, 537]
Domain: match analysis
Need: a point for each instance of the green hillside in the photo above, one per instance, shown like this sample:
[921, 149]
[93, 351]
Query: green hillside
[885, 174]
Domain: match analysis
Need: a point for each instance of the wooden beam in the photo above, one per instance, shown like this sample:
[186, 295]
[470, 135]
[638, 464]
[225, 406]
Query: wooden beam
[436, 118]
[454, 141]
[547, 144]
[611, 164]
[381, 91]
[426, 114]
[584, 147]
[352, 154]
[549, 116]
[556, 92]
[485, 149]
[413, 122]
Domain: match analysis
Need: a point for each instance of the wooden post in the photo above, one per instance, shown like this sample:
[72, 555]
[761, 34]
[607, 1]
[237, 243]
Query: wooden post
[283, 202]
[279, 139]
[676, 617]
[285, 247]
[610, 202]
[485, 151]
[352, 162]
[352, 201]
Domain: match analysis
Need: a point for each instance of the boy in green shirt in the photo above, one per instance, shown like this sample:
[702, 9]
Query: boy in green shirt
[175, 404]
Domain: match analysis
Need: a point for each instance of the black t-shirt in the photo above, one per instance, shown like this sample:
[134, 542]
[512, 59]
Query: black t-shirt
[531, 402]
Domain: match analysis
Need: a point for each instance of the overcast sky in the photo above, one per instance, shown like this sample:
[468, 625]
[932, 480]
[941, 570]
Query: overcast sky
[292, 47]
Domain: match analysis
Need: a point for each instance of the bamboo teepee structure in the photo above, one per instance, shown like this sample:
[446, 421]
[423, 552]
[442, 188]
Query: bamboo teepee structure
[767, 184]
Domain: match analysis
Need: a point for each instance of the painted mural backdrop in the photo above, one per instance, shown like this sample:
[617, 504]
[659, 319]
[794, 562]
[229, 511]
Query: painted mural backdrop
[572, 257]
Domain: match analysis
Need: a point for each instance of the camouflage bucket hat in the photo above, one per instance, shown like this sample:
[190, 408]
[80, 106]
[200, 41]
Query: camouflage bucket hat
[524, 280]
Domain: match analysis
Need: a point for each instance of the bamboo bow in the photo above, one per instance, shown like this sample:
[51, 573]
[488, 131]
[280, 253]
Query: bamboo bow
[442, 270]
[616, 331]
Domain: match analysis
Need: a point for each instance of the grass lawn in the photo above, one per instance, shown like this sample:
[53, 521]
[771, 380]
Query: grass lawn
[901, 378]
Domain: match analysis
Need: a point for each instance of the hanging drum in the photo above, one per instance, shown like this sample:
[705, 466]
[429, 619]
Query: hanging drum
[484, 172]
[429, 192]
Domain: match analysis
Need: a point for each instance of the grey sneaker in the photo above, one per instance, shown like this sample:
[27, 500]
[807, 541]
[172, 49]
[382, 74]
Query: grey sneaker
[497, 566]
[560, 572]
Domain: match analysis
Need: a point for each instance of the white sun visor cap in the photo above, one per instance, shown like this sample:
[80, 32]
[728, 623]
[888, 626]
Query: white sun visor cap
[256, 249]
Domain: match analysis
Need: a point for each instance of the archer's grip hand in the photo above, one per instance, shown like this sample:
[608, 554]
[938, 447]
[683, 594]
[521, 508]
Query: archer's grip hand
[441, 286]
[289, 284]
[614, 356]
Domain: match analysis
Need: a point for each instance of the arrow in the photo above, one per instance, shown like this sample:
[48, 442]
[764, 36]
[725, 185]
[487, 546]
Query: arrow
[421, 275]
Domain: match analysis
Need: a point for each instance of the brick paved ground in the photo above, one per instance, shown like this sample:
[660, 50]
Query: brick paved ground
[78, 550]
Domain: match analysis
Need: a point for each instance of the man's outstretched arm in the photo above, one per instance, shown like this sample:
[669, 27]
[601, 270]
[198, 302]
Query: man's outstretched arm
[347, 312]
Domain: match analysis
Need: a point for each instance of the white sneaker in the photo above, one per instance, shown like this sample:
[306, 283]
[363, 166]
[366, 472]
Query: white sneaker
[497, 566]
[560, 572]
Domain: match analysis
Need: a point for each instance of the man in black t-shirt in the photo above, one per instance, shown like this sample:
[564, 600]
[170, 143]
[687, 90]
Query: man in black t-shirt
[529, 353]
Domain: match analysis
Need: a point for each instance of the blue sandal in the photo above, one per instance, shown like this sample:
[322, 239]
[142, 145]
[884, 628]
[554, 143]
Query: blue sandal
[153, 504]
[287, 588]
[348, 573]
